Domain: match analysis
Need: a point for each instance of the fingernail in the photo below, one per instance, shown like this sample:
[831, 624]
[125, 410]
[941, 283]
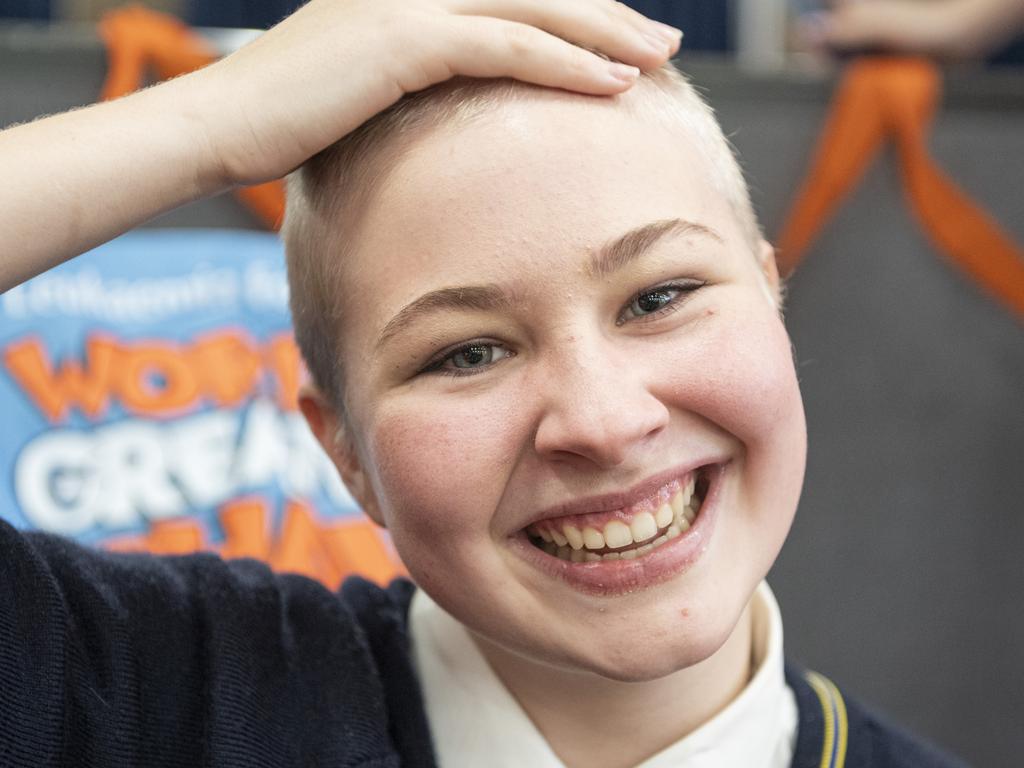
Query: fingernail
[624, 73]
[668, 33]
[657, 43]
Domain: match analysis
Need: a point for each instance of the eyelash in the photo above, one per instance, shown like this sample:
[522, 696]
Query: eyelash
[684, 287]
[435, 366]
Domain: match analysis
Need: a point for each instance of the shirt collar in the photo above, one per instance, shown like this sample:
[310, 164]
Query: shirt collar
[474, 720]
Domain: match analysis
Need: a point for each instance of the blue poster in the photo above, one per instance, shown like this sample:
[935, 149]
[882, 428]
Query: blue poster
[152, 382]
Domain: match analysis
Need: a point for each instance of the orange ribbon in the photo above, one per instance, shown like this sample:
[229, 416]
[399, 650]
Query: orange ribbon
[138, 38]
[895, 98]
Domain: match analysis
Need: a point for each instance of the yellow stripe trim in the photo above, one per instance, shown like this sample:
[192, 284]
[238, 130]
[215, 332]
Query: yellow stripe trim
[836, 724]
[818, 684]
[842, 727]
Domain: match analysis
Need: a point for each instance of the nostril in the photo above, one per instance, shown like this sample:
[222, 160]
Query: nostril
[600, 427]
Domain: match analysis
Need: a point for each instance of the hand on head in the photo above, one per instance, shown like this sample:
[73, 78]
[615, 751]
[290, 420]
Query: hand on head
[332, 65]
[263, 111]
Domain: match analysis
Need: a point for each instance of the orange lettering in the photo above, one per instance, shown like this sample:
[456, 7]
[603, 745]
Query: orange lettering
[245, 529]
[300, 548]
[126, 544]
[181, 536]
[357, 547]
[54, 393]
[156, 379]
[327, 553]
[176, 537]
[228, 367]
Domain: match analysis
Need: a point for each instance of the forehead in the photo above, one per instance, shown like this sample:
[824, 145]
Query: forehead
[527, 188]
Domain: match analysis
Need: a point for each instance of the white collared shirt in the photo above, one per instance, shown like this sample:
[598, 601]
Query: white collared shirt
[475, 721]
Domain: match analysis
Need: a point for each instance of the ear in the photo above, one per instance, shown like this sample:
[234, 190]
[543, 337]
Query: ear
[770, 271]
[331, 432]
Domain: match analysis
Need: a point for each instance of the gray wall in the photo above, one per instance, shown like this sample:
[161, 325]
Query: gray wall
[902, 578]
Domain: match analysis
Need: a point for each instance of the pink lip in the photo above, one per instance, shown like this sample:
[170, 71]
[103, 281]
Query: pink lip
[619, 577]
[609, 502]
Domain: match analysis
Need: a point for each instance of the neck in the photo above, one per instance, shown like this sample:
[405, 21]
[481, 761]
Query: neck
[570, 707]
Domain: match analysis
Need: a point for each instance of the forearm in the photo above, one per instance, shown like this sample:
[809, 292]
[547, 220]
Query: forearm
[957, 29]
[78, 179]
[988, 24]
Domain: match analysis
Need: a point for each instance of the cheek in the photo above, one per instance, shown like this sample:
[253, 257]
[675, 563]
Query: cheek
[438, 468]
[744, 382]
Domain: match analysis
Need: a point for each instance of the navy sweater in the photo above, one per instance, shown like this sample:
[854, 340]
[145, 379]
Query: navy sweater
[134, 660]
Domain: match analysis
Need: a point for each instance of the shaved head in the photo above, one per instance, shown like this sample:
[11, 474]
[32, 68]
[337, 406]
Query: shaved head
[327, 194]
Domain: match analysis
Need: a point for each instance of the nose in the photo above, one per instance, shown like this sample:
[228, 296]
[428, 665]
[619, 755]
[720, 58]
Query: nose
[597, 407]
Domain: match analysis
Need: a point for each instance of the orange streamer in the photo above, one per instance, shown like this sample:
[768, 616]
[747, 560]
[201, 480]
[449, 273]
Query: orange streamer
[137, 40]
[894, 99]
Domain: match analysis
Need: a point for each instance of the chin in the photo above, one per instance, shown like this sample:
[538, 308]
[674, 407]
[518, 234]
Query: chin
[633, 657]
[646, 670]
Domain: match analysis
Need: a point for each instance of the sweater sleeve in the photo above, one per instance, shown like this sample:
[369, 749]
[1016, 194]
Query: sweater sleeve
[124, 659]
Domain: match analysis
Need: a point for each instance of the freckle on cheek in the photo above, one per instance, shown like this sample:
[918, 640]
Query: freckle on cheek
[420, 478]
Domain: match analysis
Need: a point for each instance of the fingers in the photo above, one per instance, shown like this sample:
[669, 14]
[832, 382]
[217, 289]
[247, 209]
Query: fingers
[612, 28]
[555, 43]
[490, 47]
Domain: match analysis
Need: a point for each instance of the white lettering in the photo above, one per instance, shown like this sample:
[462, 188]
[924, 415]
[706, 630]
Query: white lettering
[266, 287]
[262, 452]
[88, 294]
[134, 471]
[120, 474]
[56, 482]
[201, 453]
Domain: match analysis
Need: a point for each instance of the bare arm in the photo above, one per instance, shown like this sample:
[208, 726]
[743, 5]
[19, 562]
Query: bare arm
[944, 28]
[80, 178]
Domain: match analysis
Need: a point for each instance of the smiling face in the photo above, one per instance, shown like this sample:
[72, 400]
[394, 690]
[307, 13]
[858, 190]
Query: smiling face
[562, 334]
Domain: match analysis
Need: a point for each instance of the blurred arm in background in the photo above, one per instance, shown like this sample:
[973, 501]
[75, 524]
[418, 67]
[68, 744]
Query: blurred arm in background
[953, 29]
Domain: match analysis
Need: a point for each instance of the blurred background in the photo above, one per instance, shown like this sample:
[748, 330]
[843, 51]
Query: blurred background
[902, 579]
[762, 29]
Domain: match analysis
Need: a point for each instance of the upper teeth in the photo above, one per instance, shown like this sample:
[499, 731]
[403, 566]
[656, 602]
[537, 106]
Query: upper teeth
[669, 520]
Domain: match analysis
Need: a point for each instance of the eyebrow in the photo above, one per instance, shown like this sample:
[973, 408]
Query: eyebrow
[631, 246]
[480, 298]
[610, 258]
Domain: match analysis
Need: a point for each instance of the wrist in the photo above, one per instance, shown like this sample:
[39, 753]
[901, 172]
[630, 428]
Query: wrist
[192, 111]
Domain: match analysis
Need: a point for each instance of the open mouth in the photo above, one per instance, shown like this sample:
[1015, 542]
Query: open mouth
[629, 533]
